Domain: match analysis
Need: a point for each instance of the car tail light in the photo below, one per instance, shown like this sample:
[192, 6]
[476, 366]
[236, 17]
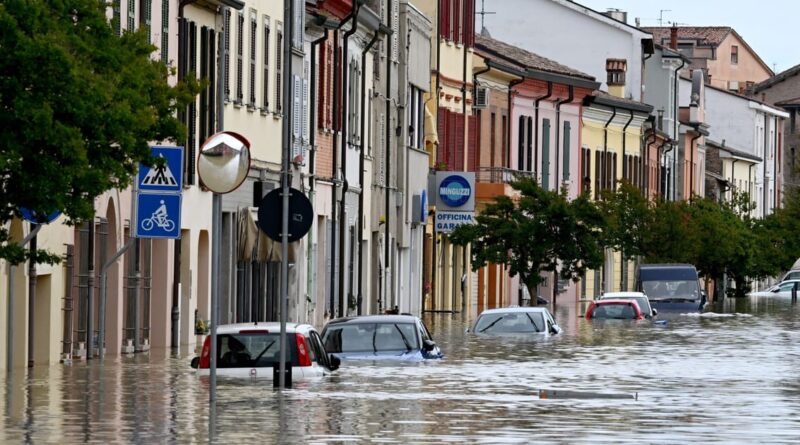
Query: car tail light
[205, 355]
[303, 357]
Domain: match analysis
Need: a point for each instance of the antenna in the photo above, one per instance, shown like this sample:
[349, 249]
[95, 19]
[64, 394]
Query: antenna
[483, 14]
[661, 16]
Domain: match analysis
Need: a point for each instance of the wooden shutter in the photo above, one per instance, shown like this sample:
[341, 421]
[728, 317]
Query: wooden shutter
[529, 143]
[469, 23]
[567, 136]
[472, 144]
[441, 127]
[521, 144]
[458, 11]
[546, 153]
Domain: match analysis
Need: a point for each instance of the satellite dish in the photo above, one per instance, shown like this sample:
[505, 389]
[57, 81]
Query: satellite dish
[224, 162]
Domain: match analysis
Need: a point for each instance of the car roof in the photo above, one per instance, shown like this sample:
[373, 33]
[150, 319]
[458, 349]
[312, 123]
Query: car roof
[612, 301]
[270, 326]
[374, 319]
[609, 295]
[514, 309]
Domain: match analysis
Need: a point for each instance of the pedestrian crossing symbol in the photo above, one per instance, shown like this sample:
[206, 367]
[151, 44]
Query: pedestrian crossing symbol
[166, 174]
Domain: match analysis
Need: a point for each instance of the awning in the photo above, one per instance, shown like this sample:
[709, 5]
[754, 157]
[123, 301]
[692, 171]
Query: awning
[255, 245]
[431, 135]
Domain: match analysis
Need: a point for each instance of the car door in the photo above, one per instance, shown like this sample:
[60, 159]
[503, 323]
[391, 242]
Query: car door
[785, 289]
[552, 326]
[319, 358]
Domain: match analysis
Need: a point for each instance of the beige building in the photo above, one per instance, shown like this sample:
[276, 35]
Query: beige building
[727, 61]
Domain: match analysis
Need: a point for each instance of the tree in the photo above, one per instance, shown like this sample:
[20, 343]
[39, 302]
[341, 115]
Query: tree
[79, 106]
[539, 231]
[626, 211]
[669, 236]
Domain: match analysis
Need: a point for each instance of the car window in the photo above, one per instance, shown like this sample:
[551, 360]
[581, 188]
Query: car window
[252, 350]
[366, 337]
[318, 353]
[614, 311]
[423, 332]
[786, 287]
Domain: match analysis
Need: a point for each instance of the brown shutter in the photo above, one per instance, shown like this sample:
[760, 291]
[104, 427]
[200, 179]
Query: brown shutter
[472, 143]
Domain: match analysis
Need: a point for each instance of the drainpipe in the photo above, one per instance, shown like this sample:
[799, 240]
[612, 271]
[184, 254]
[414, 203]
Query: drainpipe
[388, 136]
[569, 98]
[361, 162]
[313, 111]
[605, 146]
[675, 125]
[624, 141]
[335, 164]
[733, 174]
[536, 130]
[750, 183]
[646, 161]
[664, 161]
[511, 86]
[691, 165]
[345, 142]
[765, 194]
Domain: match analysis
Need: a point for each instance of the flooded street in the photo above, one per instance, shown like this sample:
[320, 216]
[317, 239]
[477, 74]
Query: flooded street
[728, 377]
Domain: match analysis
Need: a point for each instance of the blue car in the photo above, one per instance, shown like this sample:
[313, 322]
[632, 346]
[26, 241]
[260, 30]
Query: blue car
[380, 337]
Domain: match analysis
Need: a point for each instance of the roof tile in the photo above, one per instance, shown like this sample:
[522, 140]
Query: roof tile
[526, 59]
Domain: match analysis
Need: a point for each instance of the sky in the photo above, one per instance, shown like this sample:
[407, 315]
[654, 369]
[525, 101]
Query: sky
[769, 29]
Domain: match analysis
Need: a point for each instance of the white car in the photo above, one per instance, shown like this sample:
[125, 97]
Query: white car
[641, 299]
[782, 289]
[516, 321]
[252, 350]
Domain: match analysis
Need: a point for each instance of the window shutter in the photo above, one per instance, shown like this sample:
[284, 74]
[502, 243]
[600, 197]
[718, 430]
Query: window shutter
[265, 74]
[598, 173]
[116, 20]
[192, 118]
[165, 31]
[529, 144]
[381, 148]
[469, 28]
[567, 129]
[203, 96]
[441, 128]
[253, 37]
[296, 112]
[239, 61]
[322, 82]
[212, 83]
[305, 109]
[131, 16]
[546, 153]
[145, 16]
[472, 144]
[521, 144]
[452, 136]
[298, 27]
[459, 142]
[278, 68]
[444, 19]
[458, 11]
[227, 54]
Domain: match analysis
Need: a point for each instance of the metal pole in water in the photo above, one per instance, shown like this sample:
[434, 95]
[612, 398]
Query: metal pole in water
[11, 272]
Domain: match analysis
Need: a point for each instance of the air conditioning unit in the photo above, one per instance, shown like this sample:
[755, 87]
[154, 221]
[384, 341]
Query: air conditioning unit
[733, 85]
[481, 97]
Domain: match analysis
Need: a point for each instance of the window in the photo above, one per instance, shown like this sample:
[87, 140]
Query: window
[457, 21]
[278, 68]
[253, 36]
[616, 78]
[586, 169]
[492, 138]
[566, 144]
[504, 138]
[145, 15]
[165, 31]
[239, 61]
[734, 54]
[546, 153]
[416, 116]
[227, 67]
[131, 16]
[265, 76]
[116, 19]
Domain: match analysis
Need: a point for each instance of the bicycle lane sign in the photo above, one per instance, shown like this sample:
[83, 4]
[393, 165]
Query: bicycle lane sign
[158, 215]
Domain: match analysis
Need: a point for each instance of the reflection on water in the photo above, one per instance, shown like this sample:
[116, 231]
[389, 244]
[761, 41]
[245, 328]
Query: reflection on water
[727, 377]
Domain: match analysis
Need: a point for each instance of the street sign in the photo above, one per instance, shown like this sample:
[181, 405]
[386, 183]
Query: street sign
[270, 211]
[455, 191]
[158, 215]
[167, 175]
[447, 221]
[35, 218]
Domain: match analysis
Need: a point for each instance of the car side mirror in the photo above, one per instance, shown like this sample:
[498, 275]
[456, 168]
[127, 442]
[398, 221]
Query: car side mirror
[428, 345]
[195, 362]
[334, 361]
[554, 329]
[655, 311]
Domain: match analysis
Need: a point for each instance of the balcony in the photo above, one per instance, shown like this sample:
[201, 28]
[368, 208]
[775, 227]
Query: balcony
[496, 181]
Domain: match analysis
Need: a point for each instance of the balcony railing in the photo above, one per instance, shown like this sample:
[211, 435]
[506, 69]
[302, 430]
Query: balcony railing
[500, 175]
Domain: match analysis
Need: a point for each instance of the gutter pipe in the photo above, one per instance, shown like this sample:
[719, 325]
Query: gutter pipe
[605, 147]
[536, 127]
[388, 136]
[691, 165]
[675, 125]
[569, 98]
[625, 143]
[345, 142]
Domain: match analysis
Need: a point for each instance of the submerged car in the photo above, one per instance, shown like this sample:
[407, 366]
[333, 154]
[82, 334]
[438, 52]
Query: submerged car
[515, 320]
[380, 337]
[614, 309]
[640, 298]
[671, 287]
[782, 289]
[252, 350]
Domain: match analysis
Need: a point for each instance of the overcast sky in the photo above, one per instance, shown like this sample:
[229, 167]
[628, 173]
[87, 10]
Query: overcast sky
[768, 26]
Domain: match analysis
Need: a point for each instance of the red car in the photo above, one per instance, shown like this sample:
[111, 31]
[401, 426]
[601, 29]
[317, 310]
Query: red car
[614, 310]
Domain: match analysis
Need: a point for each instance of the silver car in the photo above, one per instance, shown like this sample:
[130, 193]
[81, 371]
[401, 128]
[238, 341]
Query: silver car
[640, 298]
[782, 289]
[515, 321]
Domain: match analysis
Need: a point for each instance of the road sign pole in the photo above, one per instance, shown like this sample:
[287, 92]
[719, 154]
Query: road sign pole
[216, 229]
[287, 144]
[101, 336]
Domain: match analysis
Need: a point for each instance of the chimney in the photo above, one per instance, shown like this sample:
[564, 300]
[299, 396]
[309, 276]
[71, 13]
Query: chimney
[617, 14]
[616, 69]
[673, 37]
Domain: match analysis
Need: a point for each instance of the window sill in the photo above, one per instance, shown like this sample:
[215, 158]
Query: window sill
[276, 115]
[251, 108]
[264, 111]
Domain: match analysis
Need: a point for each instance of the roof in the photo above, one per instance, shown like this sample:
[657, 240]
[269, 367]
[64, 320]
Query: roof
[603, 98]
[523, 58]
[778, 78]
[515, 309]
[601, 16]
[789, 103]
[734, 152]
[270, 326]
[705, 36]
[375, 319]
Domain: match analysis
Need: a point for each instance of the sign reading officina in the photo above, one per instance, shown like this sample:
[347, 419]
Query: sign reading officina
[455, 200]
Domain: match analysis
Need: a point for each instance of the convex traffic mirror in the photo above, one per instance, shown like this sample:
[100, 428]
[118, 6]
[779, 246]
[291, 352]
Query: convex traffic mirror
[224, 161]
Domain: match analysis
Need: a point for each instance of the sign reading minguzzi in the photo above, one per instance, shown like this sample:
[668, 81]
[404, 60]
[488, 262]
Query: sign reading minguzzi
[455, 200]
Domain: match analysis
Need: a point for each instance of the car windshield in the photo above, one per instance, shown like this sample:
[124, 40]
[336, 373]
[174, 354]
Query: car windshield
[665, 289]
[371, 337]
[614, 311]
[252, 350]
[510, 322]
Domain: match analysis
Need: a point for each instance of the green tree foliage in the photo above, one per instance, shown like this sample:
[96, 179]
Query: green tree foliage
[538, 231]
[626, 211]
[80, 106]
[668, 235]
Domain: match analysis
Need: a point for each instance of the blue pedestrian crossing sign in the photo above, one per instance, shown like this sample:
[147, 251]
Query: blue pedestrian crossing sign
[166, 175]
[158, 215]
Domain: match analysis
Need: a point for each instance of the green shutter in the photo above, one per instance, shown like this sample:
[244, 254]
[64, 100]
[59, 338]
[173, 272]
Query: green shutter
[566, 150]
[545, 153]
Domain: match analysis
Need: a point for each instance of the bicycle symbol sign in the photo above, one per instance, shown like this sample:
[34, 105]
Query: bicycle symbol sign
[157, 215]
